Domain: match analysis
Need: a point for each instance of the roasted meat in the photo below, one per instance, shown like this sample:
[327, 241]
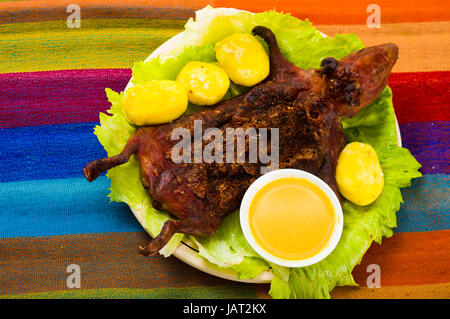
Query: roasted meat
[304, 105]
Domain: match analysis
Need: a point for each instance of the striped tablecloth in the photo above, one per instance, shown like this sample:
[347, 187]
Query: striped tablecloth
[52, 81]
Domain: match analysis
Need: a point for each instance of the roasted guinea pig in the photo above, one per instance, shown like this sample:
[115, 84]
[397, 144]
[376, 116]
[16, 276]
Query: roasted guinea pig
[305, 106]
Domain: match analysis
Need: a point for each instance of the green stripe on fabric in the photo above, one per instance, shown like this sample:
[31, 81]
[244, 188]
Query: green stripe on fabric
[99, 43]
[221, 292]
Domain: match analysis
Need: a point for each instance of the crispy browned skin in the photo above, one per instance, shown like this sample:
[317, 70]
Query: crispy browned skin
[306, 107]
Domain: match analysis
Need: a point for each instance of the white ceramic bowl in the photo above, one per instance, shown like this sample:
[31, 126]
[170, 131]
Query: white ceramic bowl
[256, 186]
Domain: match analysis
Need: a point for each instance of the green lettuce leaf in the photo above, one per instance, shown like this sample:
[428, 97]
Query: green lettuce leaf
[304, 46]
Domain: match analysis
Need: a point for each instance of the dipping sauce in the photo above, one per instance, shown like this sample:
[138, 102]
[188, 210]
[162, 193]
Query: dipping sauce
[291, 218]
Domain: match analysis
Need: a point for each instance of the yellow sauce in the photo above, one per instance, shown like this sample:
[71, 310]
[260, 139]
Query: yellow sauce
[291, 218]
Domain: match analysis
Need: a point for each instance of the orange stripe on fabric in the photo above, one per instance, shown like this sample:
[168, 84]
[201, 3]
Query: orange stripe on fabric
[409, 259]
[437, 291]
[191, 4]
[349, 11]
[317, 11]
[422, 46]
[45, 10]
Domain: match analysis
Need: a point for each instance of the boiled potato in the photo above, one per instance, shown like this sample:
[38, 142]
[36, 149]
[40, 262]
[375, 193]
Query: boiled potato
[206, 83]
[358, 174]
[244, 59]
[154, 102]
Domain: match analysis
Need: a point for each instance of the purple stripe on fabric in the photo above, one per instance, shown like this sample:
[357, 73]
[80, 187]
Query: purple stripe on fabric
[57, 97]
[429, 142]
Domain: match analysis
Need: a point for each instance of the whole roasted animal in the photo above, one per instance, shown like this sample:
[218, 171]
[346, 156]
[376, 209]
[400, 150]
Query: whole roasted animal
[304, 105]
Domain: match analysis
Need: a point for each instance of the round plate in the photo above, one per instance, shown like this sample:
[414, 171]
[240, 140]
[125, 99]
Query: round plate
[187, 250]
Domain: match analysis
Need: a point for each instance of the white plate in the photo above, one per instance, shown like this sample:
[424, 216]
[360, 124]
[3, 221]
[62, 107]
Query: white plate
[187, 250]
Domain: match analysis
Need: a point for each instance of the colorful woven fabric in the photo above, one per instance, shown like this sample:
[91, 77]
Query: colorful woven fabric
[52, 81]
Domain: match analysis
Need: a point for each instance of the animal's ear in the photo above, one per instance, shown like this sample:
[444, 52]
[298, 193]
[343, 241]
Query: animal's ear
[328, 66]
[342, 83]
[280, 67]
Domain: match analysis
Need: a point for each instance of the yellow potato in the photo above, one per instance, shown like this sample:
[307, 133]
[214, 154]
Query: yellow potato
[358, 174]
[244, 59]
[154, 102]
[206, 83]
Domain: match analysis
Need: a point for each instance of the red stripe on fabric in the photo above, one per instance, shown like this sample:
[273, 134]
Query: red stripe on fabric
[408, 259]
[57, 97]
[421, 96]
[76, 96]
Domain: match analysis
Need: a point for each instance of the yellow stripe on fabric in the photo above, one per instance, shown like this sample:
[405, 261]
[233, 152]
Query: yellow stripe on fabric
[436, 291]
[221, 292]
[423, 46]
[86, 24]
[117, 43]
[51, 45]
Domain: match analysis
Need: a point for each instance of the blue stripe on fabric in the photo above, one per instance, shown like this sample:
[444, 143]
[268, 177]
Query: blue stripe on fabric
[73, 205]
[61, 207]
[426, 205]
[47, 152]
[61, 151]
[429, 142]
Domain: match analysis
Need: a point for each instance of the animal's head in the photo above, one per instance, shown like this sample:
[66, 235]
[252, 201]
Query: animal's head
[357, 79]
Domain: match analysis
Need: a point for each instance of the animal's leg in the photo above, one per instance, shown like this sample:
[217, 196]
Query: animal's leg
[328, 173]
[280, 67]
[95, 168]
[336, 142]
[173, 226]
[170, 227]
